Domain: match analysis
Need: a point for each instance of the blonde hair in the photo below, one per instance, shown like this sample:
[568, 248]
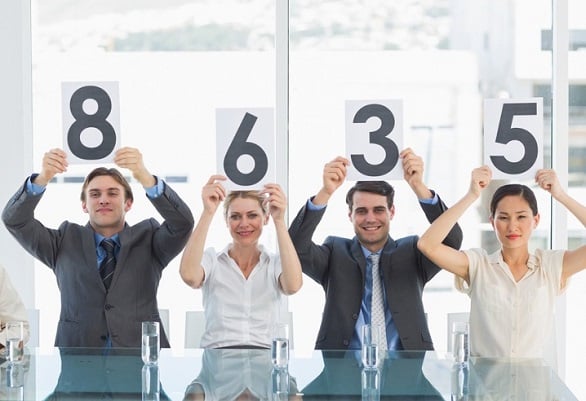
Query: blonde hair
[256, 195]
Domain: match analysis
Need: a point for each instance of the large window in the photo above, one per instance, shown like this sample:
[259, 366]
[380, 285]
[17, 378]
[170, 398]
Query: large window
[178, 61]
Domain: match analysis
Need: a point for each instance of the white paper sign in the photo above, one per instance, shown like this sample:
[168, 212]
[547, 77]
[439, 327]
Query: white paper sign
[374, 139]
[245, 147]
[513, 137]
[91, 121]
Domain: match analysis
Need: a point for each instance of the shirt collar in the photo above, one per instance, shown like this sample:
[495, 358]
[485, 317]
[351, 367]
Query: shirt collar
[99, 237]
[497, 258]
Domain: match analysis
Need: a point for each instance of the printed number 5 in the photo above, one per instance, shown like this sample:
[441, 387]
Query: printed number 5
[507, 133]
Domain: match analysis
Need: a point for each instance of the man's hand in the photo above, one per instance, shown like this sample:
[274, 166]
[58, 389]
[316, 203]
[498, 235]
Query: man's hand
[54, 162]
[131, 158]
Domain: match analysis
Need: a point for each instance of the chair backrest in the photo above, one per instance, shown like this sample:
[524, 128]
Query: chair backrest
[195, 324]
[164, 315]
[452, 318]
[33, 316]
[195, 327]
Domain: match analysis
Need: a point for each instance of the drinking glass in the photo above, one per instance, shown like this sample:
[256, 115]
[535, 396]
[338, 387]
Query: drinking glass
[15, 341]
[460, 347]
[150, 342]
[370, 337]
[280, 345]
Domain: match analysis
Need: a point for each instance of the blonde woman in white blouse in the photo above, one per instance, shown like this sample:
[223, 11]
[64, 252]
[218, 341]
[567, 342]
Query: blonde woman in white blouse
[243, 285]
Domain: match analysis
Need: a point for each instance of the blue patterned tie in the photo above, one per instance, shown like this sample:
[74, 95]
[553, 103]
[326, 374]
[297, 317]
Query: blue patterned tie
[377, 312]
[109, 263]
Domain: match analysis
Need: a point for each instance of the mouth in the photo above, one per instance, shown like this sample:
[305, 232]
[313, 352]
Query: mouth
[371, 228]
[513, 236]
[245, 233]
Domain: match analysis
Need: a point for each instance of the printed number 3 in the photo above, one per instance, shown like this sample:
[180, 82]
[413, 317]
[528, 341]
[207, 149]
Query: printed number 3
[378, 137]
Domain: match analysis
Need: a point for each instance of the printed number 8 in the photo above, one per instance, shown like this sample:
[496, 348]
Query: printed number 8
[96, 120]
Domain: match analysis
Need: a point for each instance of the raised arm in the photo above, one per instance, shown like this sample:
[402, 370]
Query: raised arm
[291, 277]
[430, 242]
[191, 270]
[574, 260]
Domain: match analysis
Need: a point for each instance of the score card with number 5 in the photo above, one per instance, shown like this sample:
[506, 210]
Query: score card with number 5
[513, 137]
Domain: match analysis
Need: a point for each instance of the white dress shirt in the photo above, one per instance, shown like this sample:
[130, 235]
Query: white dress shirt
[240, 311]
[507, 318]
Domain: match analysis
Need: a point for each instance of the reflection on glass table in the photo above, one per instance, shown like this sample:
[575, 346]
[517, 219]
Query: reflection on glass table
[236, 374]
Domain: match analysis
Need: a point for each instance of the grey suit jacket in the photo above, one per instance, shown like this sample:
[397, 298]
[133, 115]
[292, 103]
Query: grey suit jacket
[88, 311]
[339, 266]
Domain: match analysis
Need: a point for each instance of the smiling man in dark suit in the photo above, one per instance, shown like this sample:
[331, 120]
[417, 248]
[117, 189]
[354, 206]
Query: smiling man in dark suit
[103, 310]
[343, 266]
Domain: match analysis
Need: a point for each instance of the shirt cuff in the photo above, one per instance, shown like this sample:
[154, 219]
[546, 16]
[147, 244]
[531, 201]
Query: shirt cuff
[313, 206]
[156, 190]
[431, 201]
[32, 188]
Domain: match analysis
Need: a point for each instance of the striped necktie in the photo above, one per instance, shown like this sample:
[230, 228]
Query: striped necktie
[109, 263]
[377, 312]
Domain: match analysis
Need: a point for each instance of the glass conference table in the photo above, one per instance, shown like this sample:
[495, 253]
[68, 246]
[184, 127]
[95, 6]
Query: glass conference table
[195, 374]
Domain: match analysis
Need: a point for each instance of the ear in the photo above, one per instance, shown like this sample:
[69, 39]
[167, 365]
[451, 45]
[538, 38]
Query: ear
[536, 220]
[392, 212]
[350, 215]
[127, 205]
[84, 207]
[266, 219]
[491, 221]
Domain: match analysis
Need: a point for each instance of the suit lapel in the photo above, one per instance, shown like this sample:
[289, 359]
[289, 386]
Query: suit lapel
[386, 256]
[358, 255]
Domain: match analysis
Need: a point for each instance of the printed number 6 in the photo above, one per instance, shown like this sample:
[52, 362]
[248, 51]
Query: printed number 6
[239, 147]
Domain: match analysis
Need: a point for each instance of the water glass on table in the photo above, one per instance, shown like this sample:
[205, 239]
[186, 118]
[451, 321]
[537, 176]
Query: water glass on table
[150, 343]
[280, 345]
[15, 341]
[370, 337]
[460, 343]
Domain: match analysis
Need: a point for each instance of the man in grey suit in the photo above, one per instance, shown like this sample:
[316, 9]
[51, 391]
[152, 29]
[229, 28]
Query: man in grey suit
[343, 268]
[97, 313]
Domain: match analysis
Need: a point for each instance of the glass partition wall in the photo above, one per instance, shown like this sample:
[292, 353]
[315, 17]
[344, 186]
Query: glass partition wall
[178, 61]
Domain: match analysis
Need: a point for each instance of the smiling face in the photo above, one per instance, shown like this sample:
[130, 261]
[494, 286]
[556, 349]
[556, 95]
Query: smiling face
[106, 203]
[245, 219]
[371, 218]
[513, 221]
